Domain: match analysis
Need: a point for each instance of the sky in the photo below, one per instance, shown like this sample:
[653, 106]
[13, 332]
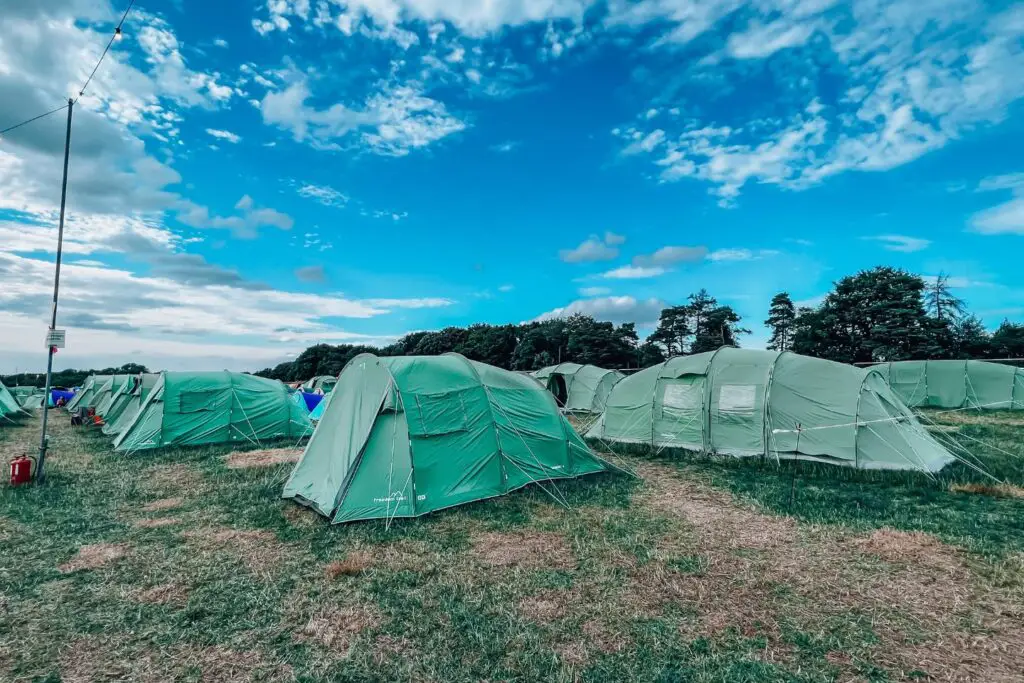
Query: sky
[247, 179]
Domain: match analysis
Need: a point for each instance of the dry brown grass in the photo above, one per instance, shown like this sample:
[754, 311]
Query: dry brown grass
[930, 611]
[180, 479]
[386, 647]
[336, 628]
[262, 458]
[163, 504]
[155, 523]
[164, 594]
[547, 606]
[970, 417]
[259, 550]
[354, 563]
[98, 658]
[94, 556]
[523, 549]
[994, 490]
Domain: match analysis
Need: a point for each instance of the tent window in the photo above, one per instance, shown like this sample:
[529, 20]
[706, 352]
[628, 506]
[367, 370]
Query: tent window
[682, 396]
[197, 401]
[737, 398]
[435, 414]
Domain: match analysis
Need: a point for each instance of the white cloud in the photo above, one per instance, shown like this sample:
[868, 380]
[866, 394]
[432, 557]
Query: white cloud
[594, 291]
[616, 309]
[633, 273]
[592, 249]
[220, 42]
[504, 289]
[613, 239]
[225, 135]
[325, 194]
[1006, 218]
[506, 146]
[901, 243]
[394, 121]
[723, 255]
[245, 224]
[670, 256]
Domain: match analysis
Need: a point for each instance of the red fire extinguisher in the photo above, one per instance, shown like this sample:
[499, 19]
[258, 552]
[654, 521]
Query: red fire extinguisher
[21, 470]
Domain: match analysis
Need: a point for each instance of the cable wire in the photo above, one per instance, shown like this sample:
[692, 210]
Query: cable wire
[117, 32]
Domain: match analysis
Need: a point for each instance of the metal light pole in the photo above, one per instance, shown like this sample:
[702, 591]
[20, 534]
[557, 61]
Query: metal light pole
[40, 463]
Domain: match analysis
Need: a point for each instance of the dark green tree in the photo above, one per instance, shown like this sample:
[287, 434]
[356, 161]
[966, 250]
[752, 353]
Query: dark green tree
[971, 339]
[1008, 341]
[940, 302]
[781, 320]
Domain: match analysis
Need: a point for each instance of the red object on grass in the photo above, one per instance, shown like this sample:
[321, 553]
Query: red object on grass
[21, 470]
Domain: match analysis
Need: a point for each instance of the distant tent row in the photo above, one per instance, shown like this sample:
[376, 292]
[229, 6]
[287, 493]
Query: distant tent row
[746, 403]
[955, 384]
[579, 388]
[86, 398]
[404, 436]
[321, 383]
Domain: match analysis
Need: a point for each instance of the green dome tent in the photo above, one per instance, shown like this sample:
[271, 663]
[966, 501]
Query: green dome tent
[579, 388]
[86, 398]
[745, 403]
[955, 384]
[9, 406]
[30, 400]
[128, 402]
[193, 408]
[404, 436]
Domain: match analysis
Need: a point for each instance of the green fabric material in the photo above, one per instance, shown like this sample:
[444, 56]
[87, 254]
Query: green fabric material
[189, 409]
[405, 436]
[955, 384]
[745, 403]
[127, 404]
[109, 392]
[9, 406]
[87, 397]
[579, 388]
[323, 383]
[32, 401]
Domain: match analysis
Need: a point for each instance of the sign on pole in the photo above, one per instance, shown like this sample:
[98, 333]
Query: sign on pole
[55, 338]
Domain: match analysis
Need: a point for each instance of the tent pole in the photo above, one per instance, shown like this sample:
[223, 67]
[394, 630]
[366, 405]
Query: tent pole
[40, 462]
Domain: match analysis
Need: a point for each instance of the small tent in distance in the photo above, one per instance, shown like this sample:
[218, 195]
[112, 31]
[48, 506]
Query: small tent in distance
[194, 408]
[10, 408]
[579, 388]
[955, 384]
[748, 403]
[87, 397]
[322, 384]
[405, 436]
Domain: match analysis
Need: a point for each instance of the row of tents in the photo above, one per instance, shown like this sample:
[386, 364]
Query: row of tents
[404, 436]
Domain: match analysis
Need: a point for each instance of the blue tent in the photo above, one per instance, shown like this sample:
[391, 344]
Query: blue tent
[57, 394]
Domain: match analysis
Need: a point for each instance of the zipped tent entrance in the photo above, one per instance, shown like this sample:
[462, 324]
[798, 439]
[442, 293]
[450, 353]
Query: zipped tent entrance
[955, 384]
[405, 436]
[127, 405]
[748, 403]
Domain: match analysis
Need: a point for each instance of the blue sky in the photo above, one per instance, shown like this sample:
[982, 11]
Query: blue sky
[248, 179]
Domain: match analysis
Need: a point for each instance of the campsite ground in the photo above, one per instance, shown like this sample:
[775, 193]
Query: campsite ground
[186, 565]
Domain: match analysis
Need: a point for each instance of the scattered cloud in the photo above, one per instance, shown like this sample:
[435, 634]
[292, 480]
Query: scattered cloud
[633, 273]
[1006, 218]
[325, 194]
[220, 42]
[225, 135]
[245, 224]
[616, 309]
[594, 291]
[506, 146]
[901, 243]
[594, 248]
[670, 256]
[724, 255]
[504, 289]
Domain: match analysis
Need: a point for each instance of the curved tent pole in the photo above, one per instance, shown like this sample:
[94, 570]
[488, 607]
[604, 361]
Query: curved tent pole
[766, 410]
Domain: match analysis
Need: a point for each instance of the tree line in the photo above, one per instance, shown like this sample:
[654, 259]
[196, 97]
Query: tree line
[878, 315]
[67, 378]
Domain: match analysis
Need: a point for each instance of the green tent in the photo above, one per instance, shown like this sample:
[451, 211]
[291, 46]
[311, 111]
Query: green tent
[110, 390]
[955, 384]
[745, 403]
[579, 388]
[192, 408]
[126, 402]
[32, 400]
[86, 398]
[9, 406]
[322, 383]
[404, 436]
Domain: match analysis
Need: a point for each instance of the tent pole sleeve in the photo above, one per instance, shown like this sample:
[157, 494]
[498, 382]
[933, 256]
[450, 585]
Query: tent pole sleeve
[856, 420]
[765, 410]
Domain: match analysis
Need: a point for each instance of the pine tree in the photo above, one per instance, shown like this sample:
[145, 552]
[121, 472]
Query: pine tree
[940, 301]
[781, 320]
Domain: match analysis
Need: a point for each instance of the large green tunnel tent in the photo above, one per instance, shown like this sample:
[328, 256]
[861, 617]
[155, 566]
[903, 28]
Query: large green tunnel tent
[127, 403]
[579, 388]
[745, 403]
[87, 397]
[110, 391]
[955, 384]
[404, 436]
[192, 408]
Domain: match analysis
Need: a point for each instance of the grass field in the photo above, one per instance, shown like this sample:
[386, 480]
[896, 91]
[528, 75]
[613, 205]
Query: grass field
[186, 565]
